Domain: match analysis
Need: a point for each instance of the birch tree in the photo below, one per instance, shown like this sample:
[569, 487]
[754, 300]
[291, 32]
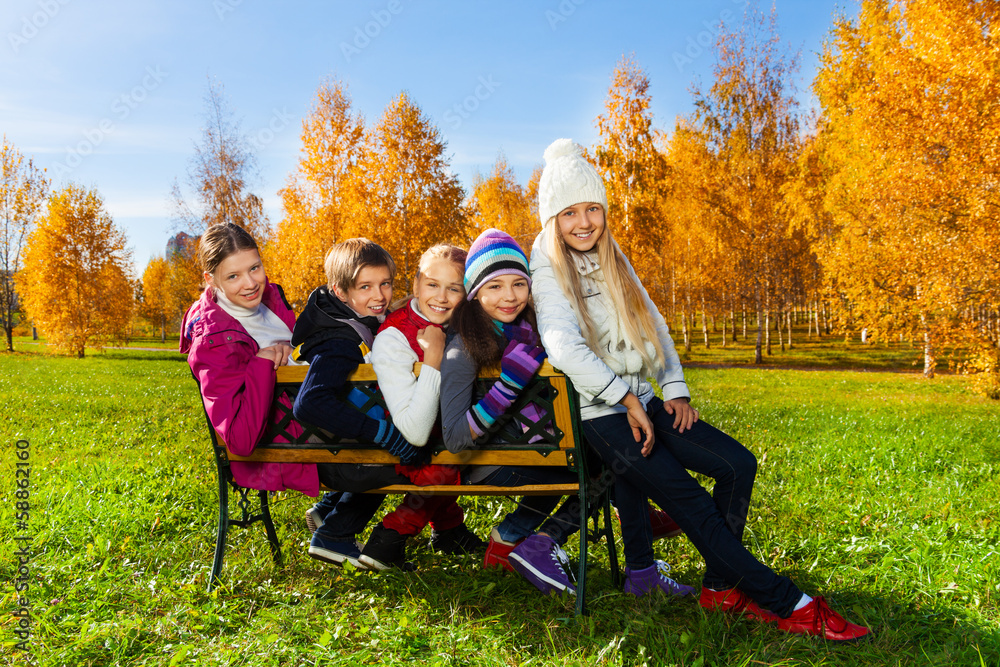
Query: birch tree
[749, 120]
[76, 282]
[498, 201]
[221, 174]
[317, 194]
[910, 141]
[404, 196]
[23, 189]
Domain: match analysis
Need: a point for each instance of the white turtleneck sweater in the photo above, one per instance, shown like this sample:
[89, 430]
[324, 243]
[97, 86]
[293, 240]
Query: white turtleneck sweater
[260, 322]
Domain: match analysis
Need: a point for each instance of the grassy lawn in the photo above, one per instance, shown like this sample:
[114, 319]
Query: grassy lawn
[26, 344]
[878, 490]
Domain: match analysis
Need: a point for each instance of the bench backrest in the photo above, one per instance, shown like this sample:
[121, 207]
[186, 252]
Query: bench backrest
[556, 437]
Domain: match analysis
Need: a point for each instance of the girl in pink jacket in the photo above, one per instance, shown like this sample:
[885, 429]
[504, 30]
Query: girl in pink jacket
[236, 335]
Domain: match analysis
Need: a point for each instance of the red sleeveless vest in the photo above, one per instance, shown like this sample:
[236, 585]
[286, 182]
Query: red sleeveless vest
[409, 322]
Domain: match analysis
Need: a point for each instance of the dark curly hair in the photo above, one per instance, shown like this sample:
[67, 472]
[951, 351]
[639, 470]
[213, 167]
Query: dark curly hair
[483, 343]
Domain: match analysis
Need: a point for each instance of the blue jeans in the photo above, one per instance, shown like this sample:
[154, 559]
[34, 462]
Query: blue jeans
[713, 522]
[532, 511]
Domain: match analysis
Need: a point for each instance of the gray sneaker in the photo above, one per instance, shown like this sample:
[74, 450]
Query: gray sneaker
[314, 520]
[540, 560]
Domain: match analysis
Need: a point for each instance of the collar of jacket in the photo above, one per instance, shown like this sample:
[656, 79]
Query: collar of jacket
[324, 318]
[208, 319]
[585, 262]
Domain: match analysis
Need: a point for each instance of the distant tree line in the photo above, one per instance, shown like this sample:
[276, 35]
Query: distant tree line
[747, 217]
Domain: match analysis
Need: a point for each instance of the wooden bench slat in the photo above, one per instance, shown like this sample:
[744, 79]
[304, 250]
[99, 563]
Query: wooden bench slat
[482, 490]
[507, 457]
[365, 373]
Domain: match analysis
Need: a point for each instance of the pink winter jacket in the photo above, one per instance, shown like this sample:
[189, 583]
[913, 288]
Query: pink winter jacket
[237, 387]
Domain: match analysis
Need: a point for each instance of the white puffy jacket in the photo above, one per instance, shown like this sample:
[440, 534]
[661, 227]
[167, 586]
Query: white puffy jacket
[601, 387]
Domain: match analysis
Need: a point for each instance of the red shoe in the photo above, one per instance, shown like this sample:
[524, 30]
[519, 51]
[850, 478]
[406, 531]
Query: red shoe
[497, 552]
[735, 601]
[663, 525]
[816, 618]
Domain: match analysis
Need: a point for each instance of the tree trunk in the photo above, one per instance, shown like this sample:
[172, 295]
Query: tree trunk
[789, 330]
[724, 332]
[767, 331]
[704, 324]
[673, 293]
[930, 361]
[9, 330]
[163, 328]
[686, 331]
[744, 321]
[778, 320]
[758, 358]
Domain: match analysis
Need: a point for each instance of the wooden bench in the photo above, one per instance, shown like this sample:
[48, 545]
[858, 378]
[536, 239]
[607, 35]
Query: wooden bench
[557, 444]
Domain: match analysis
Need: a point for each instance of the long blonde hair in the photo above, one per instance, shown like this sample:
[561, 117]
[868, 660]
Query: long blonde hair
[625, 292]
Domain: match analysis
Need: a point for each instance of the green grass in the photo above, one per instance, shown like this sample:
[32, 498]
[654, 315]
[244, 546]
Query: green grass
[27, 344]
[878, 490]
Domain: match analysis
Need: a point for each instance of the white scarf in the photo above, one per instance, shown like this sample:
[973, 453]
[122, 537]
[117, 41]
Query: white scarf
[260, 322]
[614, 347]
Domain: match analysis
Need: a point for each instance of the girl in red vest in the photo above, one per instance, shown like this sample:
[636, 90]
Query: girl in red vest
[415, 333]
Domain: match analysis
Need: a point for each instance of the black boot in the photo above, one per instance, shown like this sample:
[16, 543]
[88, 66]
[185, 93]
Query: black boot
[457, 540]
[385, 548]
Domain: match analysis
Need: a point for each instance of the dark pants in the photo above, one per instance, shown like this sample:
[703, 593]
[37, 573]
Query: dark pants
[713, 522]
[532, 511]
[348, 510]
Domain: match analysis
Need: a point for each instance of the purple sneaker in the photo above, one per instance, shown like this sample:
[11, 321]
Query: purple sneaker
[540, 560]
[654, 577]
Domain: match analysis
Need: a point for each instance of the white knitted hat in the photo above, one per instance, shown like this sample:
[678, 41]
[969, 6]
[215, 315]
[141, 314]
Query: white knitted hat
[567, 179]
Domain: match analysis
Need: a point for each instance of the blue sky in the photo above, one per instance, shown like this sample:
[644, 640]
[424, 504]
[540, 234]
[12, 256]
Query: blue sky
[110, 94]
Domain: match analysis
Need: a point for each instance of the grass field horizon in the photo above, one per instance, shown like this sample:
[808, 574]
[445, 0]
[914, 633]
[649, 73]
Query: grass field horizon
[828, 351]
[878, 490]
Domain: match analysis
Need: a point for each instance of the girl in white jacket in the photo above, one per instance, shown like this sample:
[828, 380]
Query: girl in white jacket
[599, 326]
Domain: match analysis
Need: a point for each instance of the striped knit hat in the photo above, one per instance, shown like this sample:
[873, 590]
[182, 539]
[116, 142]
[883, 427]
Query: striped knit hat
[493, 253]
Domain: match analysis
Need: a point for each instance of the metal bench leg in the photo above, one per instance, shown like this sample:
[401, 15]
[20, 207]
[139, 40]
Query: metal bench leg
[272, 535]
[581, 579]
[609, 537]
[223, 529]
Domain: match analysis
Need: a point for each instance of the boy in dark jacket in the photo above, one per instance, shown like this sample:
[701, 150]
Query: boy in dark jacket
[334, 335]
